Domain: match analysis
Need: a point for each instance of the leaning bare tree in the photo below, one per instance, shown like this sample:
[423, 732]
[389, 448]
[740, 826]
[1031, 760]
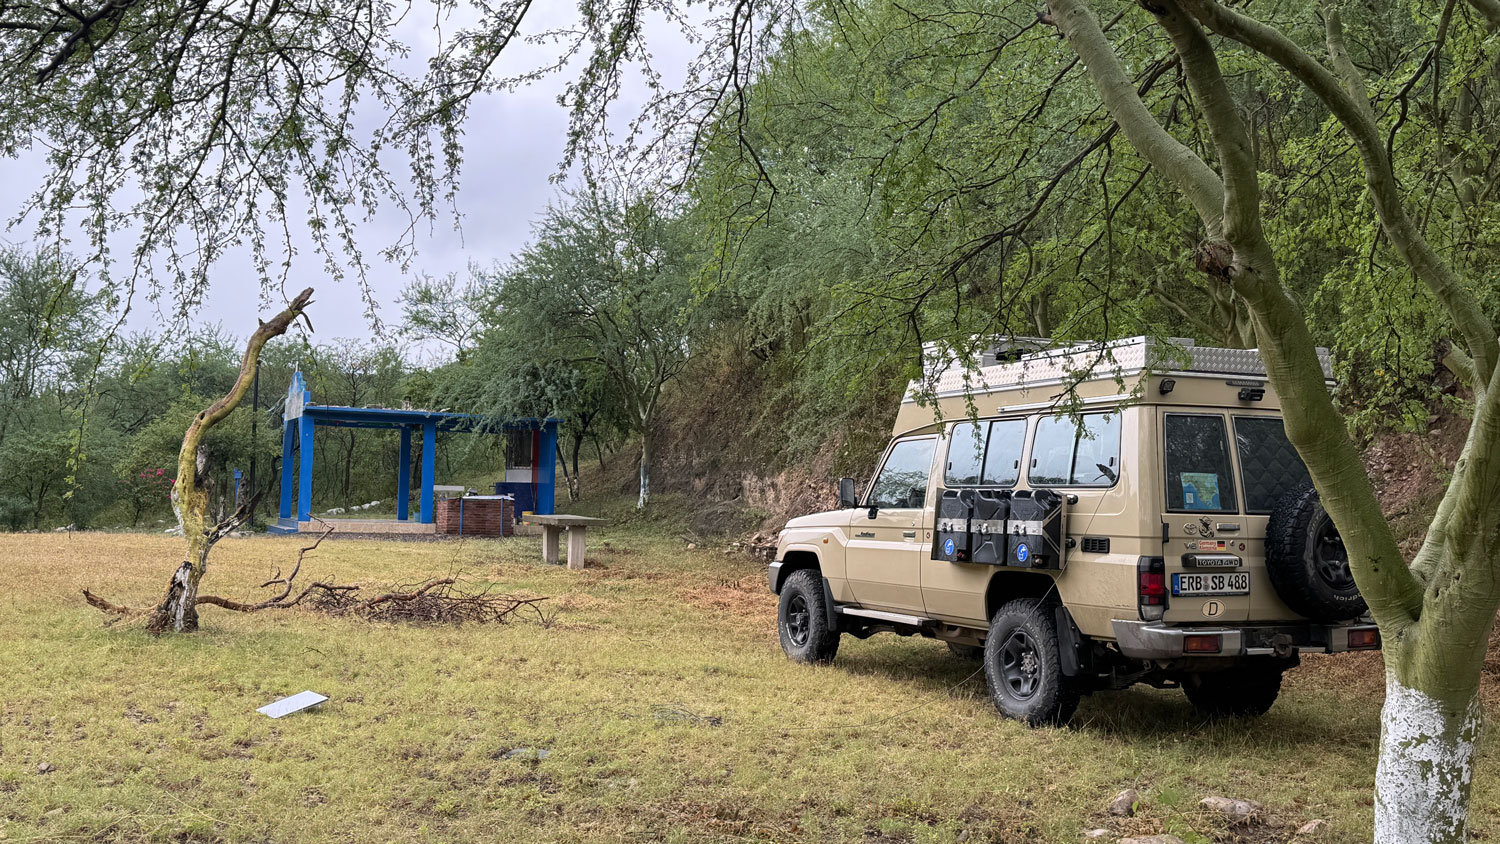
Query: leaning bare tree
[178, 610]
[1435, 614]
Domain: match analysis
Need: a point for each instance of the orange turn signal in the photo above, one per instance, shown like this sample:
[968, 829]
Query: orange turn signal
[1364, 639]
[1200, 644]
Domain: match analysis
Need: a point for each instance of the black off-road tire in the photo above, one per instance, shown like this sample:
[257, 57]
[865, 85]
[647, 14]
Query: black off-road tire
[1023, 666]
[802, 619]
[1307, 562]
[1245, 691]
[973, 653]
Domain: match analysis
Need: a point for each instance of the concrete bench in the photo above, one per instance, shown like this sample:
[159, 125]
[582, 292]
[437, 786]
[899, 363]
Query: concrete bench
[552, 526]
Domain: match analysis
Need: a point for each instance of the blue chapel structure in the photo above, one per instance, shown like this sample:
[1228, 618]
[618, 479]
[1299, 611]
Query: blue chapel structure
[301, 417]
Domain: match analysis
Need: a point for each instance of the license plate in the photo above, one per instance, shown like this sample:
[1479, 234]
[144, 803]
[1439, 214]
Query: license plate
[1228, 583]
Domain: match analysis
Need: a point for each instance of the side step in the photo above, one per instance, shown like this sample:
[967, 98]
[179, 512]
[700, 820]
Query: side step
[890, 617]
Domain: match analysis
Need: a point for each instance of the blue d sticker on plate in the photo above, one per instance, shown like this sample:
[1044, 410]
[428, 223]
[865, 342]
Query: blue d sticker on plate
[1022, 552]
[948, 547]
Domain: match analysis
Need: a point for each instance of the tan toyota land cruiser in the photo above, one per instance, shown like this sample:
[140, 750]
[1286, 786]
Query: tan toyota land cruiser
[1164, 532]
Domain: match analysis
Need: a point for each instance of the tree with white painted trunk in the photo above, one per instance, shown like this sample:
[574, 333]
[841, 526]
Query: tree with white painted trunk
[1436, 613]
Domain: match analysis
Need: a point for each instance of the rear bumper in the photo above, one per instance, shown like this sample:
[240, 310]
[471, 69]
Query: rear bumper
[1155, 640]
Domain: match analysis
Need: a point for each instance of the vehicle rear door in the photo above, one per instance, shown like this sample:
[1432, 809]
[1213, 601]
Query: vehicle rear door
[1210, 577]
[885, 545]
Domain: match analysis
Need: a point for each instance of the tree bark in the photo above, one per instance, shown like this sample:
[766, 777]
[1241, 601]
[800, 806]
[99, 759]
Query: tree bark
[646, 455]
[1426, 768]
[178, 609]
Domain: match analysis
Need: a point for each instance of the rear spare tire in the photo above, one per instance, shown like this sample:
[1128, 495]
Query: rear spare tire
[1307, 562]
[1023, 666]
[802, 619]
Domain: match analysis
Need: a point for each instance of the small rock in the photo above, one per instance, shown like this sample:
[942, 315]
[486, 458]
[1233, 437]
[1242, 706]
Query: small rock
[1125, 803]
[1311, 827]
[1239, 810]
[963, 836]
[45, 768]
[1095, 834]
[52, 813]
[692, 546]
[1154, 839]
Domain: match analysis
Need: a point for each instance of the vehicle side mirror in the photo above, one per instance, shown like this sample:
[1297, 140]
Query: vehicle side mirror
[848, 498]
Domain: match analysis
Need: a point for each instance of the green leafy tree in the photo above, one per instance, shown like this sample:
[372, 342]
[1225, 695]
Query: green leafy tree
[599, 309]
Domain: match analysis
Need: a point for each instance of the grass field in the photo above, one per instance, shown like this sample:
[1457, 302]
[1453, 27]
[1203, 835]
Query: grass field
[656, 688]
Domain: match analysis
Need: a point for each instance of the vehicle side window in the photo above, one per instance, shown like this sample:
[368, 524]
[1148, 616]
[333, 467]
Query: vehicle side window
[1002, 460]
[902, 481]
[1269, 466]
[965, 453]
[1199, 476]
[1061, 455]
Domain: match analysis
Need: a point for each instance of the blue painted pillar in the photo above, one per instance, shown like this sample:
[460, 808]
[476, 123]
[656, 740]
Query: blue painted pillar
[403, 476]
[546, 461]
[429, 468]
[304, 469]
[288, 446]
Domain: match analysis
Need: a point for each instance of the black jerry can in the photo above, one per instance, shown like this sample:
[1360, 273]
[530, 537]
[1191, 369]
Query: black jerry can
[987, 525]
[950, 541]
[1035, 534]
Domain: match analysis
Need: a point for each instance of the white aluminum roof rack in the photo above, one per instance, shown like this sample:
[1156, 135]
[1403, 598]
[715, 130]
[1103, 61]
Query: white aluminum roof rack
[1008, 366]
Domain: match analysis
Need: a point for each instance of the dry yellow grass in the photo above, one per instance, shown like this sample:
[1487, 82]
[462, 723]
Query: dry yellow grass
[658, 689]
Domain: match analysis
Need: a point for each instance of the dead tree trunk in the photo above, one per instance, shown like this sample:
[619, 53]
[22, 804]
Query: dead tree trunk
[178, 610]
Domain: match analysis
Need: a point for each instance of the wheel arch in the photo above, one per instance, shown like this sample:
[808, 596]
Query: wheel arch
[1007, 586]
[796, 560]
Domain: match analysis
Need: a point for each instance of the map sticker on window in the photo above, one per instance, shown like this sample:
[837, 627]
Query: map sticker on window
[1200, 491]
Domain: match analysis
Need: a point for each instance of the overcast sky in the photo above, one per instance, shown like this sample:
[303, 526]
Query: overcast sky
[514, 143]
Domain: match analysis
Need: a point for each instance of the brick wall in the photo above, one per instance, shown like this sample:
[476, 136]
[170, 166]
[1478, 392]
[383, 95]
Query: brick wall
[481, 516]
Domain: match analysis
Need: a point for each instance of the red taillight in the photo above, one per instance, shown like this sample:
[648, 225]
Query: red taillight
[1200, 644]
[1364, 639]
[1151, 587]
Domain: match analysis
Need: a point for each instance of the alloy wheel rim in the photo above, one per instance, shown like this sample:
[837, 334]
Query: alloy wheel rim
[798, 620]
[1020, 665]
[1330, 557]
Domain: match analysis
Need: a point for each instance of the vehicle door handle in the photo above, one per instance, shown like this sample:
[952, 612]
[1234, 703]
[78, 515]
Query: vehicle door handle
[909, 534]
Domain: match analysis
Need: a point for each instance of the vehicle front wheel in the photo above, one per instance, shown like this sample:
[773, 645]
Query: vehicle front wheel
[1241, 692]
[1024, 668]
[802, 619]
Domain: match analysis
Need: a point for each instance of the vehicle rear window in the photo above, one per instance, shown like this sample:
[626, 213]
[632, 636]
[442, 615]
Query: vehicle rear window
[1199, 474]
[985, 453]
[902, 481]
[965, 454]
[1002, 460]
[1270, 468]
[1062, 455]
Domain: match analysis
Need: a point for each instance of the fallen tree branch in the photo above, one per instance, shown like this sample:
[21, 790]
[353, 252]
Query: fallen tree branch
[437, 601]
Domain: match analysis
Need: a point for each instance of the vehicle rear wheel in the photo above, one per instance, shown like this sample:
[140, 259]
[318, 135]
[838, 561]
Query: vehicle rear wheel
[1024, 668]
[1307, 562]
[802, 619]
[1241, 692]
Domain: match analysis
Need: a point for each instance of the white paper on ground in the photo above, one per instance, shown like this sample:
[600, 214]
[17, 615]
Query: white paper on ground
[295, 703]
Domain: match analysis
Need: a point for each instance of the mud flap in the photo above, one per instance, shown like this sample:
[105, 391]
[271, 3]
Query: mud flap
[1069, 643]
